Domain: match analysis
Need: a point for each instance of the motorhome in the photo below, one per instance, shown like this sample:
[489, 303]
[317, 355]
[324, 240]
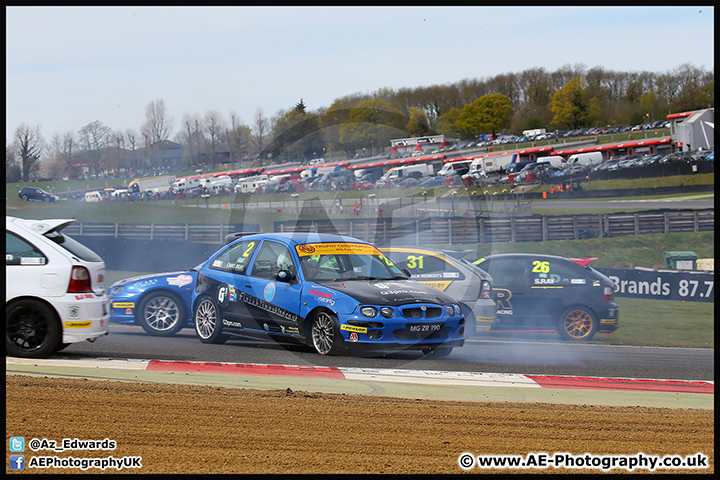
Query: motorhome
[251, 184]
[94, 196]
[223, 181]
[187, 183]
[589, 158]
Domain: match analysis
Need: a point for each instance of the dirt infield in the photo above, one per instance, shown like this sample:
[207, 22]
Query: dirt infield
[200, 429]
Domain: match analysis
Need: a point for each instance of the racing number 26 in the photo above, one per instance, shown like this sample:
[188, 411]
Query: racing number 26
[541, 267]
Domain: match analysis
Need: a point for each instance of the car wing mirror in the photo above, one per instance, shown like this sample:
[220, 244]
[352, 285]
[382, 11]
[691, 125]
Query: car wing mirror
[284, 276]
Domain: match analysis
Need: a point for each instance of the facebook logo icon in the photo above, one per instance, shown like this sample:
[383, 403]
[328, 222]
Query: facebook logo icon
[17, 462]
[17, 444]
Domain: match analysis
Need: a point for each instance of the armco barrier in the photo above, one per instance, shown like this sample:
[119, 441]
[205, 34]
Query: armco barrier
[431, 230]
[663, 284]
[130, 255]
[537, 228]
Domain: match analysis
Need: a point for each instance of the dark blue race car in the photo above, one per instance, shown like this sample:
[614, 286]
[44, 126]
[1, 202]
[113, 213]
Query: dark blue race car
[326, 291]
[159, 303]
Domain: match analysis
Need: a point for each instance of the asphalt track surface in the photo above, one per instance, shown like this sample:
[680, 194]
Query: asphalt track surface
[494, 369]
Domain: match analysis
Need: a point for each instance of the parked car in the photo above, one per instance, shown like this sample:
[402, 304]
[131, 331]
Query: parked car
[37, 194]
[550, 293]
[435, 181]
[447, 271]
[54, 293]
[364, 185]
[159, 303]
[326, 291]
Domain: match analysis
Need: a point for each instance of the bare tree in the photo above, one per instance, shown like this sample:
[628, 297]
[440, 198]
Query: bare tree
[261, 127]
[29, 145]
[94, 139]
[132, 143]
[157, 126]
[60, 163]
[213, 130]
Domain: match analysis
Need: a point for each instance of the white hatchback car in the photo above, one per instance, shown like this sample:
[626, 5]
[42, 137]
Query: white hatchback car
[54, 293]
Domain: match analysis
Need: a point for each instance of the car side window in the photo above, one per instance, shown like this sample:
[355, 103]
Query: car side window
[506, 272]
[20, 252]
[426, 266]
[272, 258]
[553, 272]
[236, 258]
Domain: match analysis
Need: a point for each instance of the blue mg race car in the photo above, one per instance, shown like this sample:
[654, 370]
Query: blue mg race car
[327, 291]
[159, 303]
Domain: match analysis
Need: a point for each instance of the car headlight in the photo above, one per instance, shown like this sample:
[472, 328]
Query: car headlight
[387, 312]
[369, 312]
[458, 310]
[450, 310]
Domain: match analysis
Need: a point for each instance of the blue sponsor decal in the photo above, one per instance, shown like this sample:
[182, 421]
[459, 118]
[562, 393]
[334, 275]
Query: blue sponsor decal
[269, 292]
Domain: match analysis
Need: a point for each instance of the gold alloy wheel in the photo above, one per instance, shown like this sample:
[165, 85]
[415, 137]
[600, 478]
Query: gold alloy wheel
[577, 324]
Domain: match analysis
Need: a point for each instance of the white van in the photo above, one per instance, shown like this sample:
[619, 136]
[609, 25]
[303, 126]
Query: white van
[458, 167]
[589, 158]
[93, 196]
[553, 160]
[398, 173]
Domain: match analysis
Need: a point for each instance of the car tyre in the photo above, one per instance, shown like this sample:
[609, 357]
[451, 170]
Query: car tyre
[32, 329]
[161, 314]
[25, 198]
[206, 317]
[325, 333]
[577, 324]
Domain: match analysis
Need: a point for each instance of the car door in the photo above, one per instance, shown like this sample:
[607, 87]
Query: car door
[428, 268]
[511, 291]
[272, 304]
[557, 283]
[230, 269]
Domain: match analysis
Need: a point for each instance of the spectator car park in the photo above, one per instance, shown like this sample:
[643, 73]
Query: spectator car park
[544, 293]
[56, 295]
[37, 194]
[159, 303]
[326, 291]
[447, 271]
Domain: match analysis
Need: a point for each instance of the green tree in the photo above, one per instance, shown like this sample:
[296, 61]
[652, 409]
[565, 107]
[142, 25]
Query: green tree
[487, 114]
[418, 124]
[296, 135]
[372, 120]
[569, 104]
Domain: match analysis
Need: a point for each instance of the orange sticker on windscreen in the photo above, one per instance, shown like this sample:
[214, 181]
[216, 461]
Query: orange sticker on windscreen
[309, 249]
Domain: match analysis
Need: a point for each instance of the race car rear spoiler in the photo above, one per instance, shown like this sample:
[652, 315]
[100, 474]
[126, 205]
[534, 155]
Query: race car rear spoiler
[583, 262]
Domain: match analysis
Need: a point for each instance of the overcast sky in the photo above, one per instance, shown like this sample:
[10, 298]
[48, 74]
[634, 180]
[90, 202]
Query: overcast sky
[69, 66]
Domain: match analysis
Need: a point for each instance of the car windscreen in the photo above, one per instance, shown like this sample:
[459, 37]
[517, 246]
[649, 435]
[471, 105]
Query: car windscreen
[74, 247]
[346, 262]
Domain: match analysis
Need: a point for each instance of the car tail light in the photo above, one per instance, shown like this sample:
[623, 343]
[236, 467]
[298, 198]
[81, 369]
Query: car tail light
[608, 293]
[485, 290]
[80, 281]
